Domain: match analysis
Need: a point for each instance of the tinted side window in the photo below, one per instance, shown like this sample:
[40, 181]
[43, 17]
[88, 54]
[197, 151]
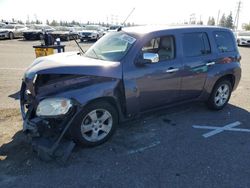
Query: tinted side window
[224, 41]
[195, 44]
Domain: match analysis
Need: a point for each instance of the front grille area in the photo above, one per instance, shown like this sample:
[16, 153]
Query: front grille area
[86, 33]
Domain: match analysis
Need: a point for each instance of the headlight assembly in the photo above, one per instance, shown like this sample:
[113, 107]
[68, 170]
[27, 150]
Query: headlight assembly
[53, 107]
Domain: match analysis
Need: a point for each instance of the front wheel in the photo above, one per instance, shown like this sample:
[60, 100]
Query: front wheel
[220, 95]
[96, 124]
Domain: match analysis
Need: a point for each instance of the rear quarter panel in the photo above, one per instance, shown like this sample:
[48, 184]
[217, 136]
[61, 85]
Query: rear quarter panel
[226, 63]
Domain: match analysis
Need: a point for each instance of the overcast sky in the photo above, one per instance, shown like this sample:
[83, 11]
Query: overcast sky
[146, 12]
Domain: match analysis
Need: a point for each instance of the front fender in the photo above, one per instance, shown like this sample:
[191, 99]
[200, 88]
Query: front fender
[84, 95]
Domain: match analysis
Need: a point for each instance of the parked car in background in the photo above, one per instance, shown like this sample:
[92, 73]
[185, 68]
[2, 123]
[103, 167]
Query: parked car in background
[65, 33]
[125, 74]
[91, 32]
[35, 32]
[2, 24]
[243, 38]
[12, 31]
[114, 27]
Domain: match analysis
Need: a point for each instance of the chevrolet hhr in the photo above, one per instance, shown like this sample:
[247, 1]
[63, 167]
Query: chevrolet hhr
[84, 96]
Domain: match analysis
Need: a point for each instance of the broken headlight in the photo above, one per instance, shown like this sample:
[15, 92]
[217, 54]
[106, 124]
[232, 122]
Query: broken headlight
[53, 107]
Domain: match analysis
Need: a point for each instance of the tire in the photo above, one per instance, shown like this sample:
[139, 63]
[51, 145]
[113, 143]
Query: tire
[238, 42]
[41, 37]
[220, 95]
[95, 125]
[11, 36]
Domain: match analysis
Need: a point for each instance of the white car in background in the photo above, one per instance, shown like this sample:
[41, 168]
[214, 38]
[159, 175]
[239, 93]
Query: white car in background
[2, 24]
[243, 38]
[12, 31]
[91, 32]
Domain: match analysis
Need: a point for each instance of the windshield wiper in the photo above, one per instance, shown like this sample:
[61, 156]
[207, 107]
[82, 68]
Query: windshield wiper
[97, 56]
[83, 52]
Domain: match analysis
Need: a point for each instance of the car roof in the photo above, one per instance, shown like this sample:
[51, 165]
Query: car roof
[150, 29]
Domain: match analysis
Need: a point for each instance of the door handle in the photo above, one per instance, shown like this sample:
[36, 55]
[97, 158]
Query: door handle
[171, 70]
[210, 63]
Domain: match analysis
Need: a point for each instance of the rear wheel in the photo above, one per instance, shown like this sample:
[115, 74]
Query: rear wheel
[11, 36]
[96, 124]
[220, 95]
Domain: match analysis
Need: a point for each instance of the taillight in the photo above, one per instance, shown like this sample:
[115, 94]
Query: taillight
[226, 60]
[230, 59]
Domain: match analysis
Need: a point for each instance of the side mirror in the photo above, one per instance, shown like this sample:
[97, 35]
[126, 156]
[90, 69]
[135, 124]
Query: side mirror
[151, 57]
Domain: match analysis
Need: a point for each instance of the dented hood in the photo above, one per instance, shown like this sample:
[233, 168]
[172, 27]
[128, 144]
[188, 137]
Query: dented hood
[72, 63]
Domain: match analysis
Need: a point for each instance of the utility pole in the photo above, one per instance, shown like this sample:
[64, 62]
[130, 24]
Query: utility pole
[236, 20]
[192, 19]
[218, 17]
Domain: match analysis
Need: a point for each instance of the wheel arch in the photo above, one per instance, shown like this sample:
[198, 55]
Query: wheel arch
[229, 77]
[112, 101]
[11, 33]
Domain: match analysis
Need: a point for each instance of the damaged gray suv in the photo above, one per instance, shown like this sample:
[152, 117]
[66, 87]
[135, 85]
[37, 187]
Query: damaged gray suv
[81, 98]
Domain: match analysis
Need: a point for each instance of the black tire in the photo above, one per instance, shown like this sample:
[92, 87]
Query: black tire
[77, 127]
[11, 36]
[211, 103]
[238, 43]
[41, 37]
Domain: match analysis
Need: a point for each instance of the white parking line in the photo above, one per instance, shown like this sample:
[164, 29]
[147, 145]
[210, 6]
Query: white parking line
[217, 130]
[21, 69]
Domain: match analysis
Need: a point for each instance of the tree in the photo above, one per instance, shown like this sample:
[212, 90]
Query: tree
[229, 21]
[211, 21]
[223, 21]
[20, 21]
[200, 22]
[247, 26]
[47, 22]
[38, 22]
[54, 23]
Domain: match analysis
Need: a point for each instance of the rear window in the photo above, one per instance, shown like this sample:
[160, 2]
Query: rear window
[195, 44]
[224, 41]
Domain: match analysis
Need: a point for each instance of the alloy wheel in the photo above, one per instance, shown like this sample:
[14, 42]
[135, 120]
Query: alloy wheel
[222, 95]
[96, 125]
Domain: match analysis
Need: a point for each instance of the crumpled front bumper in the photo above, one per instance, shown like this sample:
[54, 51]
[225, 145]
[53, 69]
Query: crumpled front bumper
[48, 139]
[47, 135]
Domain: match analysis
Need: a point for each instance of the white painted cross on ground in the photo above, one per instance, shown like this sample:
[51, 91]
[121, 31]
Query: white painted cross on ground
[217, 130]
